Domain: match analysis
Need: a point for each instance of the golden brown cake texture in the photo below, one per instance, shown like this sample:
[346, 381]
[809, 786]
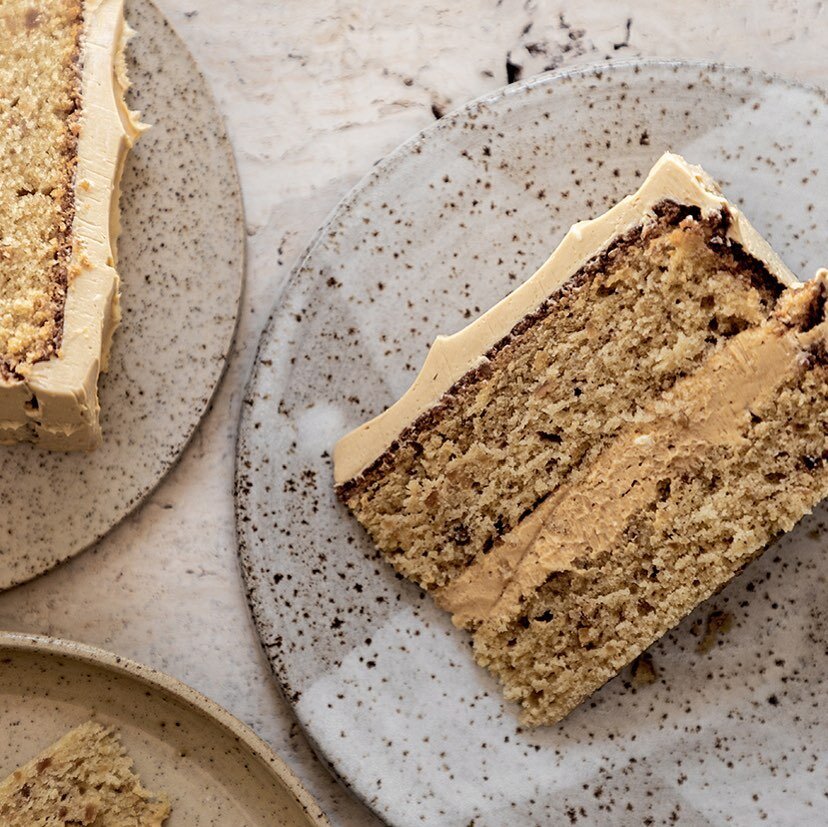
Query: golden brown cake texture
[85, 779]
[39, 105]
[555, 392]
[626, 449]
[681, 500]
[65, 133]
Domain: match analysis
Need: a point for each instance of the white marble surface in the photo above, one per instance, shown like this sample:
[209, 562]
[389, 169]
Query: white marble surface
[314, 93]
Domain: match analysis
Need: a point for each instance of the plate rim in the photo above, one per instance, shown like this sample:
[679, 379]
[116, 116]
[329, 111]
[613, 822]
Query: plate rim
[237, 197]
[84, 653]
[279, 310]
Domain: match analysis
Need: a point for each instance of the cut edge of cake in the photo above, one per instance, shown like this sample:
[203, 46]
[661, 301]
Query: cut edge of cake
[54, 402]
[85, 774]
[705, 408]
[450, 358]
[731, 457]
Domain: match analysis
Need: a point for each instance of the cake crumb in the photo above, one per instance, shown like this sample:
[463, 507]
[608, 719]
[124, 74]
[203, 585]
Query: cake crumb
[643, 671]
[718, 623]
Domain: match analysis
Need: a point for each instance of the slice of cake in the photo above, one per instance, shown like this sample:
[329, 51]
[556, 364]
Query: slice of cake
[86, 778]
[575, 471]
[65, 133]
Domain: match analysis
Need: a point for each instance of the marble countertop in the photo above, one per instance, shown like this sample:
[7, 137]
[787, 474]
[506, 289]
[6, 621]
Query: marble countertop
[314, 94]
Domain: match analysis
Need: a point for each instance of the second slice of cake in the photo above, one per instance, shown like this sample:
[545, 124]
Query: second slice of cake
[568, 474]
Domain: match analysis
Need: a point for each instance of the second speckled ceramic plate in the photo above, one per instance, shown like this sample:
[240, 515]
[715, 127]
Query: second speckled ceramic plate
[383, 684]
[215, 771]
[181, 259]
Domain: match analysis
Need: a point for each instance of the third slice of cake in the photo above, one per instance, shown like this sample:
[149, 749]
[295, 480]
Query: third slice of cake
[578, 469]
[83, 780]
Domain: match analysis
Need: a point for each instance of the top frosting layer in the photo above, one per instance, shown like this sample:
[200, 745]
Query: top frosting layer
[451, 357]
[56, 403]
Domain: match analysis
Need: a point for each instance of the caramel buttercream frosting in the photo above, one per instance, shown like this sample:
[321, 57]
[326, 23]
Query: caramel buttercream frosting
[671, 179]
[586, 517]
[54, 401]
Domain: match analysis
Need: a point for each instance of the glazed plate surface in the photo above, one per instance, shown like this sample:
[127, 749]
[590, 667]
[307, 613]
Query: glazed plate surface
[729, 732]
[215, 771]
[181, 260]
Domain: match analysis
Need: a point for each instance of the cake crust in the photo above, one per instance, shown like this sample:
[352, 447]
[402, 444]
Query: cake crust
[557, 389]
[665, 214]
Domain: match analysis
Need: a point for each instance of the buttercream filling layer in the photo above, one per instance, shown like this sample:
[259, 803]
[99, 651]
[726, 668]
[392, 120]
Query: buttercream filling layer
[586, 516]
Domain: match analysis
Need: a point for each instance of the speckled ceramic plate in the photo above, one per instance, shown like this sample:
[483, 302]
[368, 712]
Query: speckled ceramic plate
[213, 768]
[384, 685]
[182, 264]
